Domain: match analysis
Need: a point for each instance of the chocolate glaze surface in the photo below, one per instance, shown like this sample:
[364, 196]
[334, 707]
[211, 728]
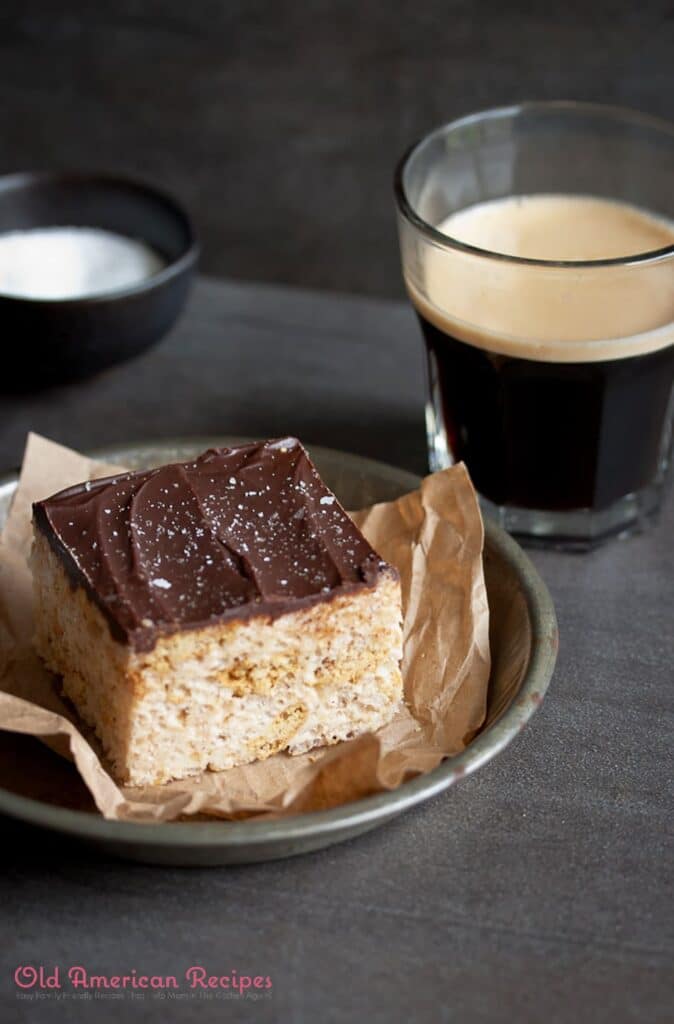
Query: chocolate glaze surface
[238, 532]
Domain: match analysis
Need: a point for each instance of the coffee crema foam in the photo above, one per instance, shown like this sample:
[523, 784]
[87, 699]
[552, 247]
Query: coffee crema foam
[549, 313]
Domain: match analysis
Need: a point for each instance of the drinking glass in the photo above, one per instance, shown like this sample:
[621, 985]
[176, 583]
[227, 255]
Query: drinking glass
[551, 379]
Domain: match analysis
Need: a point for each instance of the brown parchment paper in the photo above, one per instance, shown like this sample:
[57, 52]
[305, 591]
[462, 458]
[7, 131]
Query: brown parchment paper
[434, 536]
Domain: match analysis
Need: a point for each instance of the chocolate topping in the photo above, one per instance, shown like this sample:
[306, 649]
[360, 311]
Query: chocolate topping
[238, 532]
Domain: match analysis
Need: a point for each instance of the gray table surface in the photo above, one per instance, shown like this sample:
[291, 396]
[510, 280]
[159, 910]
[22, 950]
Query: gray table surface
[539, 889]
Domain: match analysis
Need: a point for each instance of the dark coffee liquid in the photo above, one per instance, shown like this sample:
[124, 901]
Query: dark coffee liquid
[552, 436]
[526, 385]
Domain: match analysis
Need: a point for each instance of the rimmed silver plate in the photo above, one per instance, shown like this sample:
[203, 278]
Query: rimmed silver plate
[522, 619]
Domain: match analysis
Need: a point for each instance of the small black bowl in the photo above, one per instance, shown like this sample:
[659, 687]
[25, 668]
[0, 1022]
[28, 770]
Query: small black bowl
[51, 341]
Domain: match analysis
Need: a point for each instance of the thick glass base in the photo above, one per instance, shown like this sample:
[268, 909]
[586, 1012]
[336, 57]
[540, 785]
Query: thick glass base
[573, 530]
[580, 529]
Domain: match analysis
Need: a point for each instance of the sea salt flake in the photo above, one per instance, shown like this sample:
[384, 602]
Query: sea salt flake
[328, 499]
[160, 582]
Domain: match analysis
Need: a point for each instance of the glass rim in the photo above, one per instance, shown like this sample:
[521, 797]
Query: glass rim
[614, 112]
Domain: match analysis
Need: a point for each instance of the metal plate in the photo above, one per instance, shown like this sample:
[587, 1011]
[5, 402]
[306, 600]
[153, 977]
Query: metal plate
[520, 607]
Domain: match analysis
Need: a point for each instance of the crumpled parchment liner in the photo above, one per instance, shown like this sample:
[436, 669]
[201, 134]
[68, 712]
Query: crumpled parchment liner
[434, 536]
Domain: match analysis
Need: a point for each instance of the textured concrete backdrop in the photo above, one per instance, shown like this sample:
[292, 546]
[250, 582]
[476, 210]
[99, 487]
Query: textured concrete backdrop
[278, 123]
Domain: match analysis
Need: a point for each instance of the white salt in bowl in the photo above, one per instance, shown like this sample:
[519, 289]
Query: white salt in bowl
[94, 269]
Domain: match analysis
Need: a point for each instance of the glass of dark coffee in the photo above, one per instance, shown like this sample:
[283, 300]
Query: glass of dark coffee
[537, 247]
